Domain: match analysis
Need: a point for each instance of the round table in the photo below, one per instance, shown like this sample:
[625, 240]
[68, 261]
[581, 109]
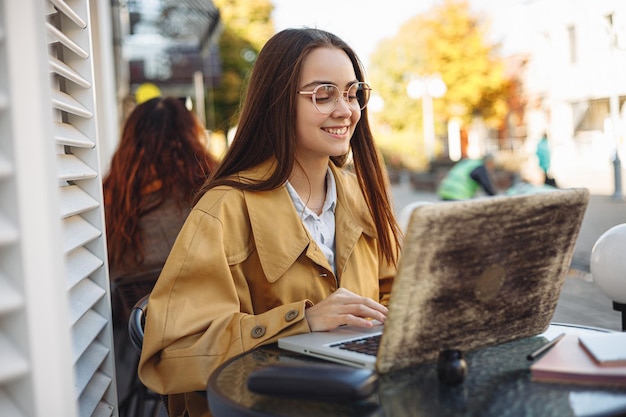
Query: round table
[498, 383]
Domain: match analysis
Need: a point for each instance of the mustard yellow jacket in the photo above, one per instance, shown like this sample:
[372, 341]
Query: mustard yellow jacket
[240, 275]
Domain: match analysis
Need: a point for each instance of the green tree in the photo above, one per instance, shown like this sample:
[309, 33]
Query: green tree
[449, 41]
[246, 26]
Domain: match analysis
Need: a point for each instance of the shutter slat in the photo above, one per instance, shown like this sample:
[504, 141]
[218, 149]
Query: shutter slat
[14, 365]
[7, 408]
[89, 400]
[78, 232]
[65, 102]
[69, 12]
[50, 10]
[8, 232]
[71, 168]
[80, 264]
[103, 410]
[83, 297]
[75, 201]
[85, 331]
[88, 364]
[68, 73]
[10, 298]
[55, 35]
[66, 134]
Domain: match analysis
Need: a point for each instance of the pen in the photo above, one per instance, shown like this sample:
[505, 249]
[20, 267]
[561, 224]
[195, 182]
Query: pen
[544, 348]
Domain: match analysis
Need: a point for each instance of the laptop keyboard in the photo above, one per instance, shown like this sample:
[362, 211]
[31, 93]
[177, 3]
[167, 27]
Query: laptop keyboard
[367, 345]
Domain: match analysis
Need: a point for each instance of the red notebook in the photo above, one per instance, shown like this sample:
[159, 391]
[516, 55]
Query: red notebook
[569, 363]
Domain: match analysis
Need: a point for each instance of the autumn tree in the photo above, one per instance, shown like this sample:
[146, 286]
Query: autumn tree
[448, 41]
[246, 26]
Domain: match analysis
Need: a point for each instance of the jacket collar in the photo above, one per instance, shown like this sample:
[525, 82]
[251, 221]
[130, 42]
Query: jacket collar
[279, 235]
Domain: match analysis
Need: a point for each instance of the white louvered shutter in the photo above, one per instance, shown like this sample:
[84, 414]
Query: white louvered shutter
[56, 343]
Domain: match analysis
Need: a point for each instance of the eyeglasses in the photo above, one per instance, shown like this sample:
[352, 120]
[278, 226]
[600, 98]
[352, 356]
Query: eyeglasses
[326, 96]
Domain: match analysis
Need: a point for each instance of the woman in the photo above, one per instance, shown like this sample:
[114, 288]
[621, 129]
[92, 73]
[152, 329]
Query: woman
[161, 161]
[284, 239]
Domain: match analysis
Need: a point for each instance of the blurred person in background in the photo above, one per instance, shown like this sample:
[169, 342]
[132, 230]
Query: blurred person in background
[466, 178]
[543, 158]
[161, 161]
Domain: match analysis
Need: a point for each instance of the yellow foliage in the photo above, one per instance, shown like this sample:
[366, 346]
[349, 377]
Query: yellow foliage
[450, 41]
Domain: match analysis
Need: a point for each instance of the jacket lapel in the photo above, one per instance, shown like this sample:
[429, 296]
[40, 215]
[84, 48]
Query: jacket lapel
[279, 235]
[351, 218]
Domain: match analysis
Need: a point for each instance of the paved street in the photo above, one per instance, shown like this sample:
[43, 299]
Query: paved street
[581, 302]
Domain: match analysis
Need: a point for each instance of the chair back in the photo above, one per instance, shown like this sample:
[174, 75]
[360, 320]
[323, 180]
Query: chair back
[130, 288]
[136, 321]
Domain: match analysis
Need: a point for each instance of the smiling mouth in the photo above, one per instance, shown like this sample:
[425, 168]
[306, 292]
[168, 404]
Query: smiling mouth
[336, 130]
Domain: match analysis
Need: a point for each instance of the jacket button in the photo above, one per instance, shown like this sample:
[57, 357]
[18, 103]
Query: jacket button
[291, 314]
[258, 331]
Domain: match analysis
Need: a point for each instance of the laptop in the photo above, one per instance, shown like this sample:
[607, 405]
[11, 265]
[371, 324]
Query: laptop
[471, 274]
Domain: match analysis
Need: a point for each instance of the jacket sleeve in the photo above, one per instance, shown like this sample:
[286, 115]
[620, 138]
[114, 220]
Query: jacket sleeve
[200, 312]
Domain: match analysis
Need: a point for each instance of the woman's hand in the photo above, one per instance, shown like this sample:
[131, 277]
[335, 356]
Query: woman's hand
[344, 307]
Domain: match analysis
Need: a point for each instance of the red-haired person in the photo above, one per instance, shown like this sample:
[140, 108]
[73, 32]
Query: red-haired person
[160, 163]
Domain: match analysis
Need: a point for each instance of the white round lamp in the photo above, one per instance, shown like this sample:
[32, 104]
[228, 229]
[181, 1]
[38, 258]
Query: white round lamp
[608, 267]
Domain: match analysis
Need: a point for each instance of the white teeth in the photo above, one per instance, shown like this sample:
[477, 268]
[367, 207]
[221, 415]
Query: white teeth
[335, 131]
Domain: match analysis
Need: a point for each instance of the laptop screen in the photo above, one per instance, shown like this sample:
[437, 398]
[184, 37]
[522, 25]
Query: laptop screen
[479, 272]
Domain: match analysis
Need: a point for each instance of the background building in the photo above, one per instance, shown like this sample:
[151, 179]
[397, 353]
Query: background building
[575, 83]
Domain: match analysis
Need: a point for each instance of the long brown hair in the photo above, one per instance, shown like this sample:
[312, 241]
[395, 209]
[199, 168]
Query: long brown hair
[267, 129]
[162, 154]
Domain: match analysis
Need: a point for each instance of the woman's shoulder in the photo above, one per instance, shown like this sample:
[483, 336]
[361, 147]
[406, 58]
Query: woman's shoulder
[231, 196]
[221, 211]
[220, 198]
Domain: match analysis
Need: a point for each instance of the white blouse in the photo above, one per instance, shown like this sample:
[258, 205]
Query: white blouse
[322, 227]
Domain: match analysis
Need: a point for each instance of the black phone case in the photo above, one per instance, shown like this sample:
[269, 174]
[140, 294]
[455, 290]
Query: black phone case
[315, 381]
